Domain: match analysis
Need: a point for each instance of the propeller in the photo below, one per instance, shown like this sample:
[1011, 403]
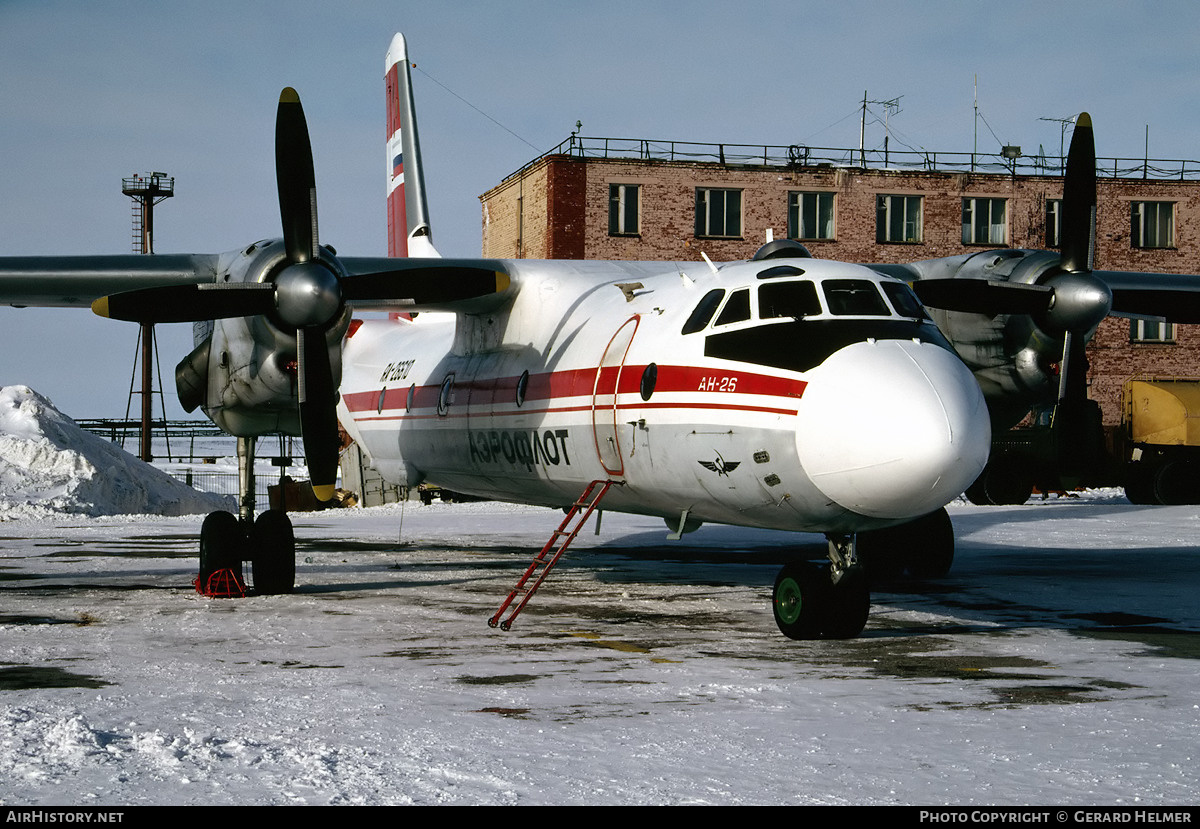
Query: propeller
[308, 291]
[1068, 301]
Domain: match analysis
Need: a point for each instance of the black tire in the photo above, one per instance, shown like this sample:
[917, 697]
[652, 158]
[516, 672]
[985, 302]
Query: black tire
[1007, 483]
[847, 606]
[977, 492]
[923, 547]
[221, 546]
[1139, 484]
[1175, 482]
[798, 600]
[273, 544]
[933, 558]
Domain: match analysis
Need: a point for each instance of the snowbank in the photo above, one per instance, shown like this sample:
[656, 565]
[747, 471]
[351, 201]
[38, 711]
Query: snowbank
[49, 465]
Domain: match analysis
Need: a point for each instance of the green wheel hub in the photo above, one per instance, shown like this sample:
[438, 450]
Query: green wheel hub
[789, 601]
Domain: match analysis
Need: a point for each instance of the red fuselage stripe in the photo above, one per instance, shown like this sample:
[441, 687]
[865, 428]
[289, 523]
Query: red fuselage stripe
[482, 393]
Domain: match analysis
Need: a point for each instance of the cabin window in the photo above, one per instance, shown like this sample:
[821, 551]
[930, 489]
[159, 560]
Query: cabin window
[854, 297]
[810, 215]
[624, 213]
[984, 222]
[704, 311]
[737, 309]
[445, 396]
[522, 388]
[1152, 224]
[788, 299]
[649, 381]
[718, 212]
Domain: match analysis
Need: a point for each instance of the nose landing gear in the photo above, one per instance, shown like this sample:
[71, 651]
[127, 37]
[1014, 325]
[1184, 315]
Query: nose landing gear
[828, 601]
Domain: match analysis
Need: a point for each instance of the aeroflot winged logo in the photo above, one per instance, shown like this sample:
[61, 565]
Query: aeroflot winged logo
[720, 465]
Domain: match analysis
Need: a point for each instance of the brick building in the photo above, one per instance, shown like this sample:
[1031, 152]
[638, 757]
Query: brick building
[594, 198]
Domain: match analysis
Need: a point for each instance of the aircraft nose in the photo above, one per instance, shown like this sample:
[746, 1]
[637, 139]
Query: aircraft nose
[892, 428]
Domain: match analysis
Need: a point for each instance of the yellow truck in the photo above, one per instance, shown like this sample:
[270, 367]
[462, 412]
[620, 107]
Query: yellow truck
[1158, 442]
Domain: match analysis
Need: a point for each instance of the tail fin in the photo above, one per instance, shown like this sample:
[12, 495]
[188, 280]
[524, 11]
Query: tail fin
[407, 208]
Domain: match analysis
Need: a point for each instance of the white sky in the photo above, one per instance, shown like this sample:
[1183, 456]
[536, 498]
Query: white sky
[93, 92]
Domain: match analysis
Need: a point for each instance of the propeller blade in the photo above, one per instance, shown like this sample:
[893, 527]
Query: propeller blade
[1079, 199]
[188, 303]
[318, 411]
[984, 296]
[426, 285]
[295, 179]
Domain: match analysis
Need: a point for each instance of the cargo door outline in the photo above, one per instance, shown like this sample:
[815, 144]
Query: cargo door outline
[604, 398]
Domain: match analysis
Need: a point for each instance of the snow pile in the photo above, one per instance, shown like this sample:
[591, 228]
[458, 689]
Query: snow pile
[49, 465]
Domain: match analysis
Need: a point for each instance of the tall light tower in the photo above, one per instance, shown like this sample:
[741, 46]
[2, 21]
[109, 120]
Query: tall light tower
[146, 190]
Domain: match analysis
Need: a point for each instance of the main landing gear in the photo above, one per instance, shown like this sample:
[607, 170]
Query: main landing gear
[226, 541]
[832, 601]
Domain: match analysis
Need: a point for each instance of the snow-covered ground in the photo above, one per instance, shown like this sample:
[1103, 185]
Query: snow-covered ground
[1057, 664]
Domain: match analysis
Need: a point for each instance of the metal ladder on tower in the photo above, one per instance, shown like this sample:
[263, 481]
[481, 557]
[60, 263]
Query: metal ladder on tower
[549, 555]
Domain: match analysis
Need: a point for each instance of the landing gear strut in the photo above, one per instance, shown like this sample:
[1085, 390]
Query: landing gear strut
[828, 601]
[268, 543]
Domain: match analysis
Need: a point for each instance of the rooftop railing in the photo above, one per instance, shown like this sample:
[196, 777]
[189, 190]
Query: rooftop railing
[802, 156]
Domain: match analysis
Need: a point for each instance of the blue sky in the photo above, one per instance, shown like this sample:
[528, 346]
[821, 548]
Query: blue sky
[91, 92]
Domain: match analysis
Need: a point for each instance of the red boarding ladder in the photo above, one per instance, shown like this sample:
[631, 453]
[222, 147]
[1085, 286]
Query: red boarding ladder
[560, 539]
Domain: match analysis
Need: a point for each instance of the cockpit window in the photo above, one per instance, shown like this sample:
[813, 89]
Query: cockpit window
[704, 311]
[788, 299]
[736, 309]
[857, 297]
[803, 344]
[904, 300]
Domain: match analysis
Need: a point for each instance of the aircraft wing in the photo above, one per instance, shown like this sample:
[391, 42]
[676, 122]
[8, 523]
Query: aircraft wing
[76, 281]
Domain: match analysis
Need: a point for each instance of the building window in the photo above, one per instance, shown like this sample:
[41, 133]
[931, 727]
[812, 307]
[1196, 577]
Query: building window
[983, 222]
[1053, 223]
[898, 219]
[718, 212]
[810, 215]
[624, 215]
[1151, 331]
[1152, 224]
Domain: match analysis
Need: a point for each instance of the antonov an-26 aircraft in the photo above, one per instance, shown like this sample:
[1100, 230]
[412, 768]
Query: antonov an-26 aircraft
[782, 392]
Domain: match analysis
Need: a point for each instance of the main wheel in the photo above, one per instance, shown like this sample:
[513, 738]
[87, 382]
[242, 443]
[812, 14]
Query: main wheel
[924, 547]
[933, 557]
[221, 546]
[274, 553]
[847, 605]
[798, 600]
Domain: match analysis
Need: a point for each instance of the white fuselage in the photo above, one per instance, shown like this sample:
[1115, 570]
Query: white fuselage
[799, 398]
